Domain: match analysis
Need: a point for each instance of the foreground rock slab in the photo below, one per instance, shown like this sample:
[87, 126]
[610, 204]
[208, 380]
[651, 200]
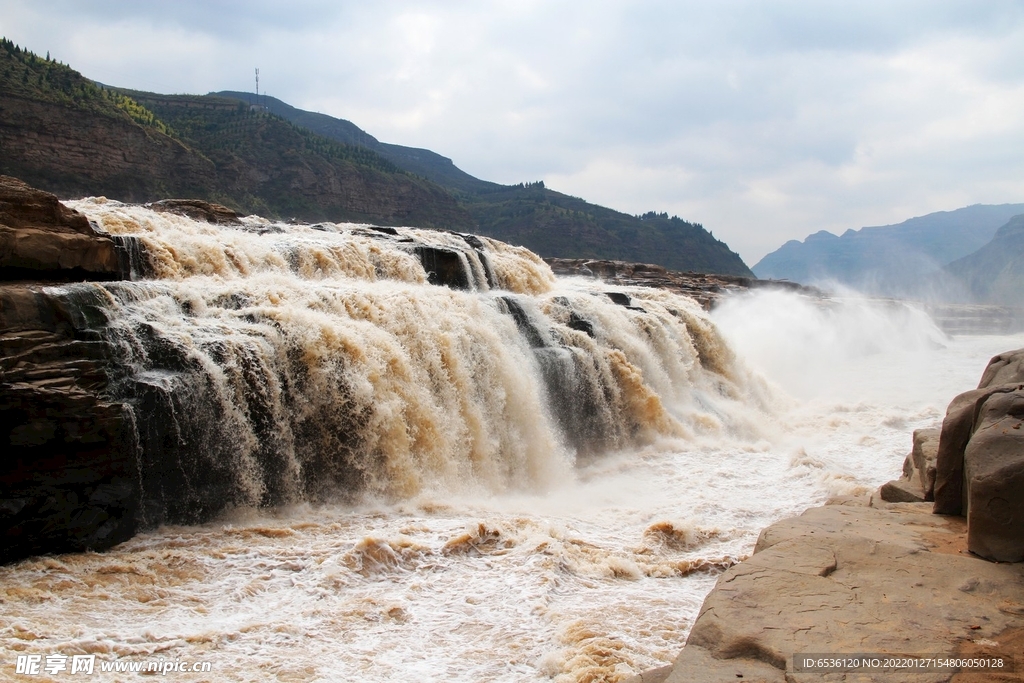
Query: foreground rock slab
[854, 579]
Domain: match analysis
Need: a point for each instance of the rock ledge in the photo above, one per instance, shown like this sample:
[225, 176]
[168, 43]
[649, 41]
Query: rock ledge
[854, 579]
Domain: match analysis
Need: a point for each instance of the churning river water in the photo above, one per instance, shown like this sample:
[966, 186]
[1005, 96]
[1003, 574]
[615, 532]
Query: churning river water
[521, 481]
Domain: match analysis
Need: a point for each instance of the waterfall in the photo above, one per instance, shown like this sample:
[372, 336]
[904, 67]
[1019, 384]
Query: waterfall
[267, 364]
[416, 455]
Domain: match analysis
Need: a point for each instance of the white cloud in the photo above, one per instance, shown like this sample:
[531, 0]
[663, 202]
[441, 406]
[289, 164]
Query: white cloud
[763, 121]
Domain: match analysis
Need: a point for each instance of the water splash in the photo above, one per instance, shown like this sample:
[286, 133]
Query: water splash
[269, 364]
[471, 568]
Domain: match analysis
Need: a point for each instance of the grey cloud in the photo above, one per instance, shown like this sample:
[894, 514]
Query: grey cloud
[765, 121]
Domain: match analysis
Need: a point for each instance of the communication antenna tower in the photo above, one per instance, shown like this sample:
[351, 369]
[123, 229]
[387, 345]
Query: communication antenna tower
[257, 86]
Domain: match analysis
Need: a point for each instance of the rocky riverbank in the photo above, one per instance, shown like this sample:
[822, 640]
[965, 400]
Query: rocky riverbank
[866, 576]
[846, 579]
[703, 287]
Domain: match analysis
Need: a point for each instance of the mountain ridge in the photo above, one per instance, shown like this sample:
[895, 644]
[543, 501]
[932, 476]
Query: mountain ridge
[995, 272]
[65, 134]
[893, 260]
[421, 161]
[548, 222]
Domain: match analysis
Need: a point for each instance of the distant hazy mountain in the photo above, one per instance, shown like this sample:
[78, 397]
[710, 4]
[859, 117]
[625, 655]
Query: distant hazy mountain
[890, 260]
[995, 273]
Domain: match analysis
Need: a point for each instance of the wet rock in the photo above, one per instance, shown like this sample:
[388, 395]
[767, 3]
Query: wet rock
[619, 298]
[581, 324]
[41, 239]
[199, 210]
[444, 267]
[68, 475]
[526, 327]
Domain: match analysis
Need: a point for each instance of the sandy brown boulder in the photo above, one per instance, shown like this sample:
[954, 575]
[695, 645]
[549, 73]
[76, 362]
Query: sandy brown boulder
[917, 484]
[42, 239]
[957, 428]
[903, 490]
[994, 471]
[1003, 374]
[923, 455]
[980, 460]
[1006, 368]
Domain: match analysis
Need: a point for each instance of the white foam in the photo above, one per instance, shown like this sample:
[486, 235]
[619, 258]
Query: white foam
[591, 572]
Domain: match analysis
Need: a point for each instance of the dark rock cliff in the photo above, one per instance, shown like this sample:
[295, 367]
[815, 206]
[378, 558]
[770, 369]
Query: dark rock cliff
[68, 476]
[68, 472]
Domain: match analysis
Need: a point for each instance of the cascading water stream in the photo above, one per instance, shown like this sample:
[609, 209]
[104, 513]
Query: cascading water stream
[422, 457]
[269, 364]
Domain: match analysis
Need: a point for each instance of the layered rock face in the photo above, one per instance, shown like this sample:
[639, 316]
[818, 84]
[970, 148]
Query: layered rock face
[68, 472]
[41, 239]
[76, 152]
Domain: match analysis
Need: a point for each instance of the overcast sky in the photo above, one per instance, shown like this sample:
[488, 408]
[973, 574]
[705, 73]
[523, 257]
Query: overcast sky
[765, 121]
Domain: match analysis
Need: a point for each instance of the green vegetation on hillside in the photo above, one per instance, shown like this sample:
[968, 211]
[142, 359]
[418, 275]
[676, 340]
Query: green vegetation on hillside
[72, 136]
[548, 222]
[223, 124]
[559, 225]
[297, 167]
[25, 74]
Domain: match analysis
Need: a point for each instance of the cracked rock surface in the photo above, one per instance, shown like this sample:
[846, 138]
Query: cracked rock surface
[895, 579]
